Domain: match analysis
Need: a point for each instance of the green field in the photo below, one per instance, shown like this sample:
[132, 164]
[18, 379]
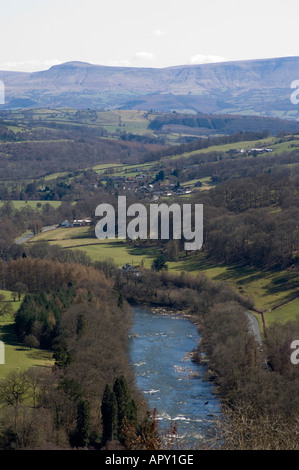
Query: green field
[269, 142]
[130, 121]
[17, 356]
[79, 238]
[53, 176]
[71, 233]
[8, 297]
[18, 205]
[282, 314]
[267, 289]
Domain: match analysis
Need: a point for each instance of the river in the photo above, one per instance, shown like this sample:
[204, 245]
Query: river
[160, 350]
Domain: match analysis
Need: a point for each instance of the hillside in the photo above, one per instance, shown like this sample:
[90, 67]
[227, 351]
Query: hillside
[35, 143]
[57, 166]
[260, 87]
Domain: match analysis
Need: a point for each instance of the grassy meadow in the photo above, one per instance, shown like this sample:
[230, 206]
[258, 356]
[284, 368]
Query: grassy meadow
[18, 205]
[17, 356]
[119, 251]
[287, 312]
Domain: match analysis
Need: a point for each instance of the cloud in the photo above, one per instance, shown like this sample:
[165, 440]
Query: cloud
[159, 34]
[119, 63]
[139, 59]
[142, 55]
[206, 59]
[28, 65]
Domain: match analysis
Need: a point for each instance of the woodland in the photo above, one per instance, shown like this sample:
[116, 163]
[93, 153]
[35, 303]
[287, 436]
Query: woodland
[79, 309]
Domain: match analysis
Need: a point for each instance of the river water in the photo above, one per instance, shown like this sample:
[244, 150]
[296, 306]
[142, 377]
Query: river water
[160, 350]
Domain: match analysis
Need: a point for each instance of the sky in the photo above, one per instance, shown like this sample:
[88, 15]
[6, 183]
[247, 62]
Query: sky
[36, 34]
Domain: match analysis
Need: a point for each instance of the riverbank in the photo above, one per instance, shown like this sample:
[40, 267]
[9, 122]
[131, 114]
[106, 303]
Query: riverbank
[250, 396]
[162, 342]
[185, 314]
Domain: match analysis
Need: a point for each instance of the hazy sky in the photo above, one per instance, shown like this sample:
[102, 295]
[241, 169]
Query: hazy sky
[36, 34]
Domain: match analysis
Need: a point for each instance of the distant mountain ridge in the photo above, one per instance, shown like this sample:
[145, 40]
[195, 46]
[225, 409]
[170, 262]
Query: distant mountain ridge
[261, 87]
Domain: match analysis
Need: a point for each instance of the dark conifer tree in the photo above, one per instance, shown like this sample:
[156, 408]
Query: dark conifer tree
[82, 434]
[126, 407]
[109, 415]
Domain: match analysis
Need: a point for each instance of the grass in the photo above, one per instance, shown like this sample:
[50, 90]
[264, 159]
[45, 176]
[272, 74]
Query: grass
[105, 166]
[246, 145]
[270, 142]
[131, 121]
[268, 289]
[8, 297]
[17, 356]
[283, 314]
[71, 233]
[206, 183]
[54, 176]
[18, 205]
[80, 238]
[121, 253]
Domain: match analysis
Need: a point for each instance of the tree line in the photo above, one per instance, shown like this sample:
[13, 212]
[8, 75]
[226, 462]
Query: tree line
[74, 312]
[226, 124]
[77, 402]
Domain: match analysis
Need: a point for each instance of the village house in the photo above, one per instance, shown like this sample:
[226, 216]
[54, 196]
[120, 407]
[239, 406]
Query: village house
[81, 222]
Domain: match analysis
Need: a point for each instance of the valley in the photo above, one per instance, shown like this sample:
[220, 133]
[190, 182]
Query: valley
[59, 164]
[149, 230]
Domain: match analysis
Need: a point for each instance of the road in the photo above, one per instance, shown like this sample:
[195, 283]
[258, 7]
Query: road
[31, 235]
[24, 238]
[255, 330]
[254, 327]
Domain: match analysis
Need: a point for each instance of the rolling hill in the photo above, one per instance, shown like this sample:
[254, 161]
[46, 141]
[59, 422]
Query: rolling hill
[254, 87]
